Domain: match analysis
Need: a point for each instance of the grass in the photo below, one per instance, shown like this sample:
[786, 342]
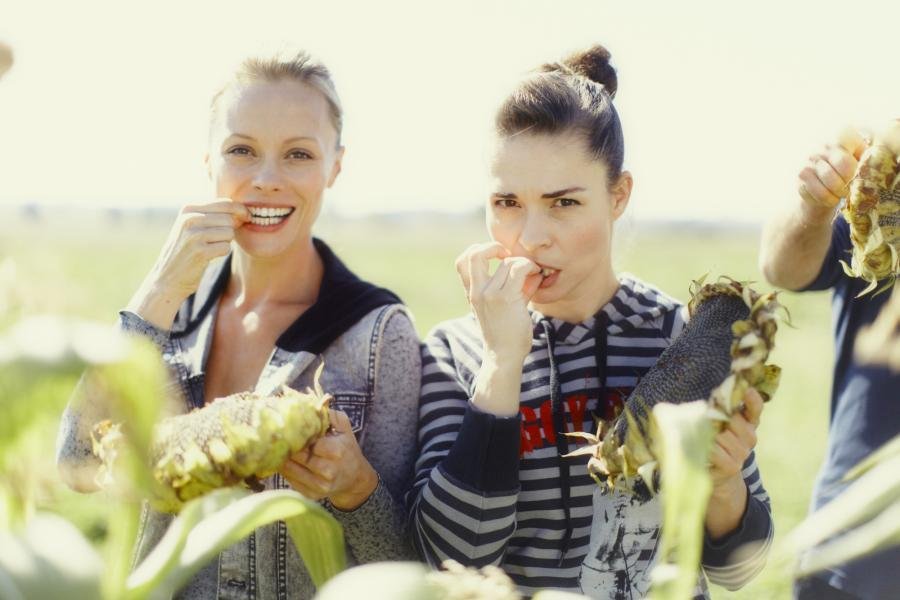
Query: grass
[90, 270]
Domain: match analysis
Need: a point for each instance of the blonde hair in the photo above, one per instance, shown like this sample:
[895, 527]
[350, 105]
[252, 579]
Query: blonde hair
[297, 66]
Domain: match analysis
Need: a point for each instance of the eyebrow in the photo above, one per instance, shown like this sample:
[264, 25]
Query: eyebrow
[549, 195]
[289, 141]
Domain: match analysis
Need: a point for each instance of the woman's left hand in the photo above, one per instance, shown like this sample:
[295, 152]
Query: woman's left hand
[333, 467]
[735, 442]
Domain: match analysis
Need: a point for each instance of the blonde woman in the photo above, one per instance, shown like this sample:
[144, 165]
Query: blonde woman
[243, 297]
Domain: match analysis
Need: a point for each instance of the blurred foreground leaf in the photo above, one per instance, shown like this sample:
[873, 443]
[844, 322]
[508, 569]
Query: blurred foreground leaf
[683, 438]
[863, 519]
[220, 519]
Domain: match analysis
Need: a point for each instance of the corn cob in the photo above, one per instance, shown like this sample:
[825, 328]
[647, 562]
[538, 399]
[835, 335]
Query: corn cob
[235, 440]
[719, 355]
[873, 212]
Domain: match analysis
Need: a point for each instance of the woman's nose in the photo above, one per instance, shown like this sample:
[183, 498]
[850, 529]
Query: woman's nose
[534, 233]
[267, 178]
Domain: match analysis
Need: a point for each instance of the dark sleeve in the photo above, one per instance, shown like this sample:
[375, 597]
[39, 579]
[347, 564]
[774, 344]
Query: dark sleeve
[733, 560]
[831, 271]
[462, 506]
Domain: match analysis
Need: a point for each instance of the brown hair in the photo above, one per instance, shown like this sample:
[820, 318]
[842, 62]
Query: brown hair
[298, 66]
[573, 95]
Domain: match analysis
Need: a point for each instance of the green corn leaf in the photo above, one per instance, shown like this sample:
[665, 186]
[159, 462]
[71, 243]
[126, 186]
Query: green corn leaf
[683, 437]
[48, 558]
[868, 496]
[888, 450]
[881, 532]
[226, 517]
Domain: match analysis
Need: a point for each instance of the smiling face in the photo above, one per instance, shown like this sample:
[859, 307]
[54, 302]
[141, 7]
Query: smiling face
[552, 203]
[273, 148]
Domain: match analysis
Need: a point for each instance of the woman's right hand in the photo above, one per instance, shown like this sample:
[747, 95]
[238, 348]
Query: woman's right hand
[500, 301]
[201, 233]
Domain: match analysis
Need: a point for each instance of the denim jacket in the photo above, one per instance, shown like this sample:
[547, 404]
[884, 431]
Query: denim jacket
[371, 368]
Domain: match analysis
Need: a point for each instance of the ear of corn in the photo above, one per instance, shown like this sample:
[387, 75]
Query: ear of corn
[873, 212]
[235, 440]
[719, 355]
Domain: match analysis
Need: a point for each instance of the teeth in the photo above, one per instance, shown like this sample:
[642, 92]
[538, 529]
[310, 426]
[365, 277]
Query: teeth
[270, 211]
[266, 220]
[547, 272]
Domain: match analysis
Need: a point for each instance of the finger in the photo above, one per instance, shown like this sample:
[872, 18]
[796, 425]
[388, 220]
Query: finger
[479, 263]
[830, 178]
[237, 212]
[753, 406]
[813, 191]
[213, 250]
[720, 460]
[499, 278]
[843, 163]
[196, 221]
[324, 468]
[462, 264]
[729, 442]
[519, 270]
[217, 234]
[340, 422]
[852, 141]
[302, 475]
[743, 430]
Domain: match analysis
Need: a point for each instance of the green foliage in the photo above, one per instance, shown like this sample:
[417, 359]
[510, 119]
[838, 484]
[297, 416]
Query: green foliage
[863, 519]
[683, 435]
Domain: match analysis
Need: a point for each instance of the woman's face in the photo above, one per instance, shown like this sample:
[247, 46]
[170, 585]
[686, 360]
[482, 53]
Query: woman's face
[274, 149]
[552, 203]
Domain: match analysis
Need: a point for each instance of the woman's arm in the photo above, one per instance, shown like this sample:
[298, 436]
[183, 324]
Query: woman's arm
[377, 529]
[739, 515]
[463, 503]
[75, 458]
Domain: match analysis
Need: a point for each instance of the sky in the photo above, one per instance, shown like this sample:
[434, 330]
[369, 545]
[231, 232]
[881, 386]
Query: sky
[721, 102]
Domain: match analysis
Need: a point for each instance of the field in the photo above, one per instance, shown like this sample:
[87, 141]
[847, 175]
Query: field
[89, 267]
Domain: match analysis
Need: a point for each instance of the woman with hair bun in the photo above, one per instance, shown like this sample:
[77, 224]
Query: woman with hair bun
[556, 340]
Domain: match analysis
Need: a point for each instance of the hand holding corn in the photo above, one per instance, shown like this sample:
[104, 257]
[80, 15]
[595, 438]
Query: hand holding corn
[332, 467]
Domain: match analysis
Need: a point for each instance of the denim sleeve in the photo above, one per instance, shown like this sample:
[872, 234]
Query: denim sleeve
[376, 530]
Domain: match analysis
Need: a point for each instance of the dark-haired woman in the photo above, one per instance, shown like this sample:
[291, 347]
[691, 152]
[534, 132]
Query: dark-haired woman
[556, 340]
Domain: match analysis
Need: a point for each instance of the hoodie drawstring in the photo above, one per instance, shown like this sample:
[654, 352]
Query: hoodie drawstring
[559, 415]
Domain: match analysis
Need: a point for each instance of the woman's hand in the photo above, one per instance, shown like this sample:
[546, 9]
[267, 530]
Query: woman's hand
[731, 449]
[201, 233]
[333, 467]
[500, 301]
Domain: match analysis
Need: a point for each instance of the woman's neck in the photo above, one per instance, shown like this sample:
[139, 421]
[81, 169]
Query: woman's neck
[290, 278]
[585, 300]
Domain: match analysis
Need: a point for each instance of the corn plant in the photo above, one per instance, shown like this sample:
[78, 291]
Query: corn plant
[44, 556]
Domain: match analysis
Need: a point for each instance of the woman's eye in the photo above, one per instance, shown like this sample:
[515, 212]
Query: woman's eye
[239, 151]
[505, 203]
[567, 202]
[299, 154]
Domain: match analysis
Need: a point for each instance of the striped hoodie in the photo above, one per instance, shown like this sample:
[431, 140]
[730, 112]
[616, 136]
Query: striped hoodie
[495, 490]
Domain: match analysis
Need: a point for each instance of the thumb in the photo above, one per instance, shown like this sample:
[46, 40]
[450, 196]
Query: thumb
[340, 422]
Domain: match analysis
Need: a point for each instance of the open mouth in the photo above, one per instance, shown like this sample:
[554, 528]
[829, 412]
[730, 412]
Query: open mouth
[267, 216]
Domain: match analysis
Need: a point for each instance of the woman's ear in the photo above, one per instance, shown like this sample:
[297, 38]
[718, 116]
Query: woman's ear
[620, 194]
[336, 167]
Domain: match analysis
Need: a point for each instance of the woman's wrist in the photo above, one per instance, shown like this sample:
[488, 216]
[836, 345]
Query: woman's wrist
[727, 504]
[497, 385]
[156, 303]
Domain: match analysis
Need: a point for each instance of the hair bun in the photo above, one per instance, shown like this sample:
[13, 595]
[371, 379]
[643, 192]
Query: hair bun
[594, 64]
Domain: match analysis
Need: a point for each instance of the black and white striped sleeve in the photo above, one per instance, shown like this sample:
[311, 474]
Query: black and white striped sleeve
[463, 502]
